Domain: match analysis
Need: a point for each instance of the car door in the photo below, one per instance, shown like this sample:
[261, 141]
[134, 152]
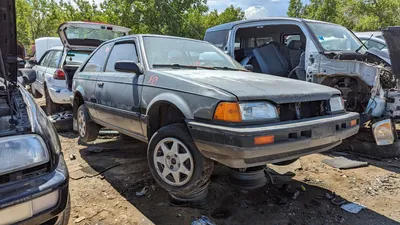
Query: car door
[54, 61]
[40, 69]
[118, 92]
[86, 79]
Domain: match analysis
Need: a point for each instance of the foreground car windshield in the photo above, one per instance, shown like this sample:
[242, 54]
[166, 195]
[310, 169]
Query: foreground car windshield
[335, 38]
[162, 51]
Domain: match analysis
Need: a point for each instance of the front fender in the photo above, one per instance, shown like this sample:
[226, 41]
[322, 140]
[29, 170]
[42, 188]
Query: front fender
[172, 99]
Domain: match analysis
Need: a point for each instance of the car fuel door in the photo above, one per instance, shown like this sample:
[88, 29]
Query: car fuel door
[117, 91]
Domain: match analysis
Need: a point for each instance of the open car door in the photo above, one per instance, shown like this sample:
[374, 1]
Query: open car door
[78, 35]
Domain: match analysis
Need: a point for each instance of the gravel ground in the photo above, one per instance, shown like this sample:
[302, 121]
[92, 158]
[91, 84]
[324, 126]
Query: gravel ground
[105, 175]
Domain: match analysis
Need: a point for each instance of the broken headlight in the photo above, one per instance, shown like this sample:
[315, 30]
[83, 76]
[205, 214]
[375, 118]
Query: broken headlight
[21, 152]
[383, 132]
[336, 104]
[256, 111]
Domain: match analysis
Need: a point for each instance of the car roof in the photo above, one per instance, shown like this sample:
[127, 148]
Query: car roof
[152, 35]
[229, 26]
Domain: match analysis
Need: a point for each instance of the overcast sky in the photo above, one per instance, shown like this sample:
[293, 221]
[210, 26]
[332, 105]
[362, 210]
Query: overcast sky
[252, 8]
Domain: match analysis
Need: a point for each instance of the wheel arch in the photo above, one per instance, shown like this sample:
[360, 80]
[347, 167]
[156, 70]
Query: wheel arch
[166, 109]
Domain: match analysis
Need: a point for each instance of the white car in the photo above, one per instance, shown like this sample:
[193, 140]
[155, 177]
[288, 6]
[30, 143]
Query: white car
[373, 39]
[55, 69]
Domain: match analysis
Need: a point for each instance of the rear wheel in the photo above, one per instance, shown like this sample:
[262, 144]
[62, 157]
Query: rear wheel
[175, 162]
[88, 131]
[51, 107]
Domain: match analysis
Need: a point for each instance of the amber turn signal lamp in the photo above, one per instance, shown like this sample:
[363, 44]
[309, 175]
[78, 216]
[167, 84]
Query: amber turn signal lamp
[228, 111]
[262, 140]
[353, 123]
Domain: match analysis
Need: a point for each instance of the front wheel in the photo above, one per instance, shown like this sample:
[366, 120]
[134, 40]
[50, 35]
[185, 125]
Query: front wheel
[88, 130]
[175, 162]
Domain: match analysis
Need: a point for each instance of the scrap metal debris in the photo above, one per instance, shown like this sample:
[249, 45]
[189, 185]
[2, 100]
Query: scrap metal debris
[353, 207]
[203, 220]
[142, 192]
[344, 163]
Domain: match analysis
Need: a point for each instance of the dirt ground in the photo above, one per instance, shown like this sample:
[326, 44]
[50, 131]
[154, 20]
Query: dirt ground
[106, 174]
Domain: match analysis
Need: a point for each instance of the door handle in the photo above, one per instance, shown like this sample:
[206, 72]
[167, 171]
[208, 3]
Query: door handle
[100, 84]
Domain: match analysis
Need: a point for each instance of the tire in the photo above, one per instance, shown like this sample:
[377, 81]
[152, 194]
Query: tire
[35, 93]
[186, 158]
[67, 212]
[51, 107]
[62, 121]
[87, 130]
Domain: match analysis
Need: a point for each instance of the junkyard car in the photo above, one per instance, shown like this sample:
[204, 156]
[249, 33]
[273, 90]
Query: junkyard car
[322, 53]
[194, 105]
[33, 173]
[373, 40]
[57, 64]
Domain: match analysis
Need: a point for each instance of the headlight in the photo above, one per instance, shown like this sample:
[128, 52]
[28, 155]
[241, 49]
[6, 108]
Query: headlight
[383, 132]
[250, 111]
[336, 104]
[253, 111]
[22, 151]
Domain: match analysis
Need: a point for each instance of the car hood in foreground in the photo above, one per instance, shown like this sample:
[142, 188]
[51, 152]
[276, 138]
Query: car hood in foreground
[392, 38]
[255, 86]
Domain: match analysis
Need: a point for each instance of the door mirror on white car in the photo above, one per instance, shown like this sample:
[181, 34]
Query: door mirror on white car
[128, 67]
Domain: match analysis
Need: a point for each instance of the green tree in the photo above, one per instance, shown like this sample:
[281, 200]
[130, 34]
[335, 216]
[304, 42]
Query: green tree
[295, 8]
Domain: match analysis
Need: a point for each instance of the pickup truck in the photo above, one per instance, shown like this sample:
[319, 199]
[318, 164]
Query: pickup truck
[194, 104]
[328, 54]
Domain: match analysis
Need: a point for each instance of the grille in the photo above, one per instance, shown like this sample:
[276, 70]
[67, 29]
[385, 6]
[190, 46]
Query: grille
[301, 110]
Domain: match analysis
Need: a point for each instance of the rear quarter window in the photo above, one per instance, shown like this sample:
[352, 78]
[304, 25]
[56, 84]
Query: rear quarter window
[217, 38]
[98, 59]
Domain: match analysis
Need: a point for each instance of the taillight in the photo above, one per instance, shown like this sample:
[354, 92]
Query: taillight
[59, 75]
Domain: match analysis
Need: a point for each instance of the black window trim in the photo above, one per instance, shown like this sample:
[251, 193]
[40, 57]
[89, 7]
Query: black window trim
[132, 40]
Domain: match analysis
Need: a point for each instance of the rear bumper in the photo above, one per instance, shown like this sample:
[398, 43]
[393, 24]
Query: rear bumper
[59, 95]
[234, 146]
[18, 200]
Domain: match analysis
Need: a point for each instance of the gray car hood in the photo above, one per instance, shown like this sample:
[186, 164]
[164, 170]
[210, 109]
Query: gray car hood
[392, 38]
[256, 86]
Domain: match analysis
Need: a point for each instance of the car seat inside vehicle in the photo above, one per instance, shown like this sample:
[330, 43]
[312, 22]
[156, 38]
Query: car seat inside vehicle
[272, 49]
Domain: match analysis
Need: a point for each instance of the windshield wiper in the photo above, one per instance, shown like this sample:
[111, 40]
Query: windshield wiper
[226, 68]
[363, 44]
[174, 66]
[179, 66]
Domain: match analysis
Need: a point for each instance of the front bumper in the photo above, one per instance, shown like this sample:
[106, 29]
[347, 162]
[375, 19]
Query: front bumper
[234, 146]
[59, 95]
[18, 200]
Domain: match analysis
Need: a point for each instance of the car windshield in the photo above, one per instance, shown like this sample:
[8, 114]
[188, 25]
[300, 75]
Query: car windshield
[336, 38]
[185, 53]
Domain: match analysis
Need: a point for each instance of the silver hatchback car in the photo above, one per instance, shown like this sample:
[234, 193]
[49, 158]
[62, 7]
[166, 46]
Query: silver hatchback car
[55, 69]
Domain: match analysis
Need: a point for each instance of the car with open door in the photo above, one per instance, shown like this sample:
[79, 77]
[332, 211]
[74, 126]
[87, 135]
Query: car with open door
[57, 66]
[194, 104]
[328, 54]
[33, 173]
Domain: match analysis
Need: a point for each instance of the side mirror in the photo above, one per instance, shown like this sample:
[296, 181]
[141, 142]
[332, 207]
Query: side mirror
[249, 67]
[128, 67]
[26, 76]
